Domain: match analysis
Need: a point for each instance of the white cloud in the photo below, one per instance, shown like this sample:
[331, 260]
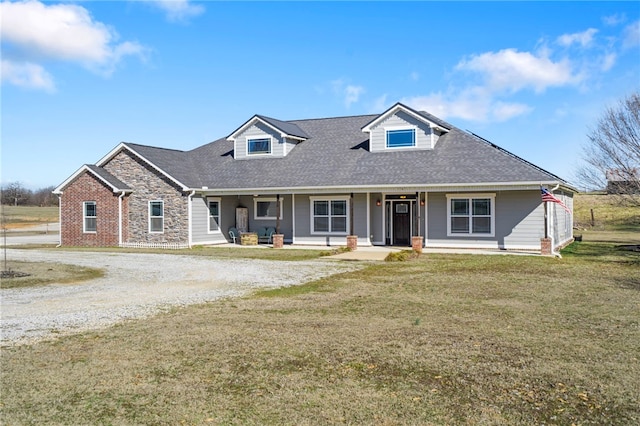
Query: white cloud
[584, 39]
[608, 61]
[511, 70]
[379, 104]
[352, 94]
[28, 75]
[474, 104]
[349, 92]
[631, 36]
[64, 32]
[178, 10]
[615, 19]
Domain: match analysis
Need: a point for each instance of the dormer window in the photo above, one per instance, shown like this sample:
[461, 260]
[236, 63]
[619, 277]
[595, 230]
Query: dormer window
[259, 146]
[401, 138]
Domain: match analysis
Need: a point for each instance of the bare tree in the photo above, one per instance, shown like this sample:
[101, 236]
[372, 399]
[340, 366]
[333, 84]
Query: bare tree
[14, 193]
[612, 153]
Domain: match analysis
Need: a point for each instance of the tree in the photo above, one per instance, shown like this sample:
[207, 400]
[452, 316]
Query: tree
[14, 193]
[612, 153]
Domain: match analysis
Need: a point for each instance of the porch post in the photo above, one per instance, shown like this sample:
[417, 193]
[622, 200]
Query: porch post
[277, 213]
[418, 211]
[352, 240]
[351, 215]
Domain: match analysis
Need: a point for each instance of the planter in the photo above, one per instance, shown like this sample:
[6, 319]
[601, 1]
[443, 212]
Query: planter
[248, 239]
[416, 244]
[278, 240]
[352, 242]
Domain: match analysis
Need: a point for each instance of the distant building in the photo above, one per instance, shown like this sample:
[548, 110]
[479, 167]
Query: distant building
[623, 181]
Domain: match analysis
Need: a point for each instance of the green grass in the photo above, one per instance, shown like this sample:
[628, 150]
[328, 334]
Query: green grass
[43, 273]
[439, 339]
[608, 214]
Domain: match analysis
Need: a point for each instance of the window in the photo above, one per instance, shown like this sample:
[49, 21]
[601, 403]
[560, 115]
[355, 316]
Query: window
[259, 146]
[471, 215]
[329, 216]
[401, 138]
[265, 208]
[156, 216]
[89, 216]
[214, 216]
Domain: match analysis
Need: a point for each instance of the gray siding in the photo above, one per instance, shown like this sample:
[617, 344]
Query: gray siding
[400, 119]
[519, 222]
[303, 233]
[377, 232]
[257, 130]
[200, 223]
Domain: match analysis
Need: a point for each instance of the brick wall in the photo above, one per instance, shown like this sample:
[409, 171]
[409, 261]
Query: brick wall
[88, 188]
[149, 185]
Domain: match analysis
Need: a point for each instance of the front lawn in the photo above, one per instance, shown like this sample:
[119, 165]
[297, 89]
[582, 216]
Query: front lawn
[443, 339]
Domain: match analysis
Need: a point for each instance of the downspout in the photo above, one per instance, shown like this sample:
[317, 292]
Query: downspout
[120, 198]
[59, 219]
[189, 218]
[553, 248]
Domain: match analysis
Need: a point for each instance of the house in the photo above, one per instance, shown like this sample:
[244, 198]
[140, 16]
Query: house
[623, 181]
[383, 178]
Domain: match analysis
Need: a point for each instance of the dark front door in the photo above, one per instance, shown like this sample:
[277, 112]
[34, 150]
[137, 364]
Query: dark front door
[401, 223]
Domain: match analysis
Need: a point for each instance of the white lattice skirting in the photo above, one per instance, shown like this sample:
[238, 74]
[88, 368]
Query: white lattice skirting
[168, 246]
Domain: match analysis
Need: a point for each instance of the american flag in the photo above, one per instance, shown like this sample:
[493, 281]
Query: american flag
[547, 196]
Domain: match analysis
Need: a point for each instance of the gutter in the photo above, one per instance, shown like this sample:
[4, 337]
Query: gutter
[189, 215]
[120, 198]
[483, 186]
[59, 194]
[553, 249]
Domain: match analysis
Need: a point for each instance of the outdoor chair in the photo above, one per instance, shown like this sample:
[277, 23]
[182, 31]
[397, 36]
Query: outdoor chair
[233, 234]
[265, 235]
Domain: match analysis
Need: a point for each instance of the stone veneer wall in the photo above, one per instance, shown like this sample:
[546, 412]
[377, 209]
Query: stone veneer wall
[149, 185]
[87, 187]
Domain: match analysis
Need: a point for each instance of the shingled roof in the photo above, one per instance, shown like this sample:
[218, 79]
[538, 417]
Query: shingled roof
[335, 153]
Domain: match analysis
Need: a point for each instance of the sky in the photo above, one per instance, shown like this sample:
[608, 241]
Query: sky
[79, 77]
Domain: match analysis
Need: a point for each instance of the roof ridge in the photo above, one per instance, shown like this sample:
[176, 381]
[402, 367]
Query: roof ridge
[517, 157]
[151, 146]
[335, 117]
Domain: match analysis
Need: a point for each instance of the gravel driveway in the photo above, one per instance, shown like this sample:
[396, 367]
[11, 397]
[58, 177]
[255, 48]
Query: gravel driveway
[136, 286]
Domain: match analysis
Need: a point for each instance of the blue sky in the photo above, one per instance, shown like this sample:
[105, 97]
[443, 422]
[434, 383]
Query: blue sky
[80, 77]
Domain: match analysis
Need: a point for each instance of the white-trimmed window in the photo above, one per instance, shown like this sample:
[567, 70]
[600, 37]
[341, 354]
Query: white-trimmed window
[259, 145]
[214, 215]
[329, 215]
[89, 217]
[400, 137]
[265, 208]
[471, 214]
[156, 216]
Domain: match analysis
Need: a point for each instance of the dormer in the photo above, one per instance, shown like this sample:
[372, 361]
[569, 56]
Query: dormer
[264, 137]
[401, 128]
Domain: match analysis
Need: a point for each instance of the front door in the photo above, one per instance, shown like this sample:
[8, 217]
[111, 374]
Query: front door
[401, 223]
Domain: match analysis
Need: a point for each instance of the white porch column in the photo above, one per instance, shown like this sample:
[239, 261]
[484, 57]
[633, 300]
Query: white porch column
[293, 218]
[369, 218]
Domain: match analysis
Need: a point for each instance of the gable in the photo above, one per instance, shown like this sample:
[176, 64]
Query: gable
[399, 123]
[260, 140]
[402, 128]
[97, 173]
[262, 137]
